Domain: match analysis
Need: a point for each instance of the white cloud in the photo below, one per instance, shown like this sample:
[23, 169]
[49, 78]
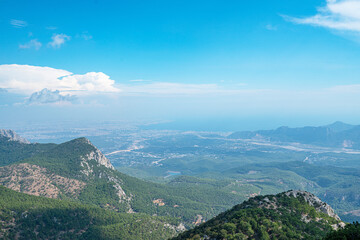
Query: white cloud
[58, 40]
[341, 15]
[34, 43]
[47, 96]
[91, 81]
[18, 23]
[27, 79]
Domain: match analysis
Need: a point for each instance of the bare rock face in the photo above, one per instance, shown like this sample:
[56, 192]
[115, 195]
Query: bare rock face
[96, 155]
[87, 163]
[99, 158]
[12, 136]
[314, 201]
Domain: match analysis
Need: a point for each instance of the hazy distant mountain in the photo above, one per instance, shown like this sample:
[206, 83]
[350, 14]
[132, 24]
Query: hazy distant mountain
[288, 215]
[339, 126]
[338, 134]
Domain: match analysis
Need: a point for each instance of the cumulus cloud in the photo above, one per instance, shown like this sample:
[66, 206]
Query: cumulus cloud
[18, 23]
[34, 43]
[58, 40]
[27, 79]
[47, 96]
[341, 15]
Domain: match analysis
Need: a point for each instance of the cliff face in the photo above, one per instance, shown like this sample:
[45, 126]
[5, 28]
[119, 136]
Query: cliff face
[10, 135]
[96, 155]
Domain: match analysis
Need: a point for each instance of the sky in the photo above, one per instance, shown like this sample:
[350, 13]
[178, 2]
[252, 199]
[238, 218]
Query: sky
[212, 65]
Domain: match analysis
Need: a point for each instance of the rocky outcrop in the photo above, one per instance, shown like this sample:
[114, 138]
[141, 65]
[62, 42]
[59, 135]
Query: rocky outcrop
[95, 155]
[88, 168]
[314, 201]
[11, 135]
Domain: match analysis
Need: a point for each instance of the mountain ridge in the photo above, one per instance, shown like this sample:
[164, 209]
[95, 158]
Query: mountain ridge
[48, 170]
[289, 215]
[337, 134]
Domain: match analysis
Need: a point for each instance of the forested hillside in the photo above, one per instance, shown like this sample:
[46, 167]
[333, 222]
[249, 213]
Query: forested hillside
[29, 217]
[77, 170]
[288, 215]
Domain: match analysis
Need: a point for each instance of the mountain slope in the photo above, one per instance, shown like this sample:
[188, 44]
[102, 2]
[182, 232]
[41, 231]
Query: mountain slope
[14, 148]
[350, 232]
[288, 215]
[24, 217]
[77, 170]
[336, 186]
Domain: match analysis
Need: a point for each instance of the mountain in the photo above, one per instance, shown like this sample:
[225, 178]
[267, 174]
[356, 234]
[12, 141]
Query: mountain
[77, 170]
[14, 148]
[339, 126]
[338, 134]
[10, 135]
[287, 215]
[23, 217]
[335, 185]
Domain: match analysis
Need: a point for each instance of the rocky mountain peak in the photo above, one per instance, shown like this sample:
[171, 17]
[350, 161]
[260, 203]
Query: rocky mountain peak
[314, 201]
[96, 155]
[12, 136]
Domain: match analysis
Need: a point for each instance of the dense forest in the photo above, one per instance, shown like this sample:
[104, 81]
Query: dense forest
[280, 216]
[350, 232]
[29, 217]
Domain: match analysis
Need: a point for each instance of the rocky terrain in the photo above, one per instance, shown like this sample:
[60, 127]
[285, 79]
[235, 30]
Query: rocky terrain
[10, 135]
[38, 181]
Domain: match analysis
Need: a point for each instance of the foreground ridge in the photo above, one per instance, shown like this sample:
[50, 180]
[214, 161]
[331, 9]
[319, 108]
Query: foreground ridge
[288, 215]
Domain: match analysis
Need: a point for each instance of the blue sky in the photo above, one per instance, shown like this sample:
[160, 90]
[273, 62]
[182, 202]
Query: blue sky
[260, 60]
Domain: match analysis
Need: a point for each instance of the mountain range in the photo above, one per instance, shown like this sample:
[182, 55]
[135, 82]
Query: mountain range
[338, 134]
[77, 171]
[72, 191]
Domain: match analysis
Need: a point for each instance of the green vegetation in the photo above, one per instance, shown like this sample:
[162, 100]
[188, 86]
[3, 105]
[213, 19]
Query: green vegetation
[266, 217]
[31, 217]
[337, 186]
[213, 188]
[190, 196]
[13, 151]
[350, 232]
[64, 159]
[184, 197]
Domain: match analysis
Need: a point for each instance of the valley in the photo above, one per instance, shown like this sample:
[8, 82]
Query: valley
[241, 167]
[188, 177]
